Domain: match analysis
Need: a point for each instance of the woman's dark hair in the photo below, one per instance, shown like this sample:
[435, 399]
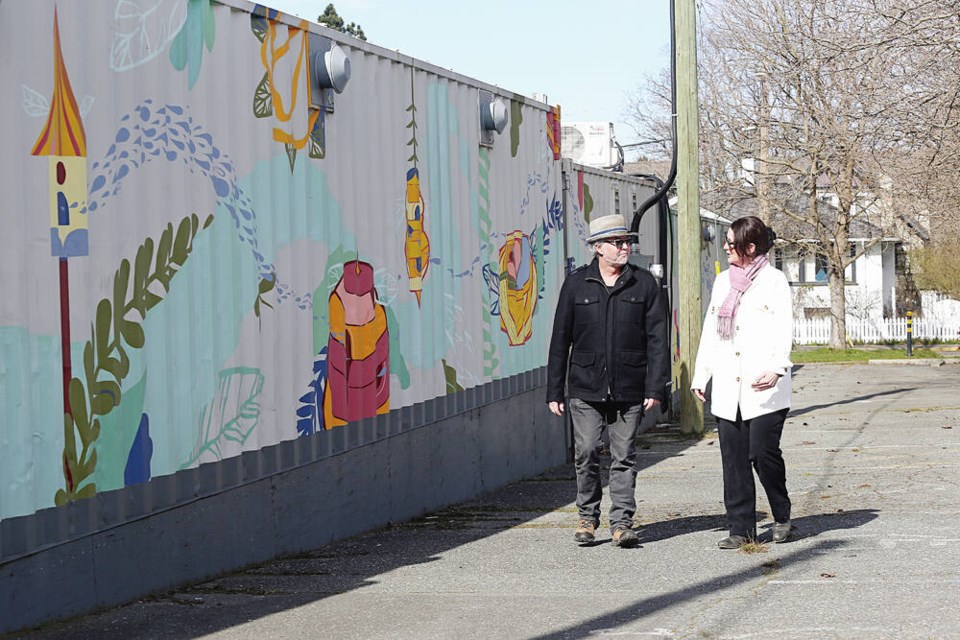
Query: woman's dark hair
[750, 229]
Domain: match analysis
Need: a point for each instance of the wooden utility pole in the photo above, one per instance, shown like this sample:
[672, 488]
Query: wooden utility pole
[688, 209]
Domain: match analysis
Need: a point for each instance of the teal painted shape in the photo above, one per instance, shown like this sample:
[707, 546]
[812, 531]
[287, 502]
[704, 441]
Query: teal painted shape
[398, 364]
[118, 429]
[314, 213]
[199, 30]
[31, 419]
[190, 334]
[425, 331]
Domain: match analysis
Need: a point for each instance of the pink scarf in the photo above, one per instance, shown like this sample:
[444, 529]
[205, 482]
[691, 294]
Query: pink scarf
[740, 280]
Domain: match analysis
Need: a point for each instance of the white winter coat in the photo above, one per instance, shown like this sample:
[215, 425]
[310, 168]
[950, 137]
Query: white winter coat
[762, 340]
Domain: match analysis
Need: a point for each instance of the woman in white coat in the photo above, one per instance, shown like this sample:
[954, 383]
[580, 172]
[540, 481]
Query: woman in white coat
[745, 349]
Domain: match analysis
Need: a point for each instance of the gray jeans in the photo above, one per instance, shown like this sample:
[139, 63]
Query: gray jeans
[622, 420]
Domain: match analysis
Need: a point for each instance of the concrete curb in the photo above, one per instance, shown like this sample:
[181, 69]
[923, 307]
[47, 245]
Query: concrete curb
[916, 362]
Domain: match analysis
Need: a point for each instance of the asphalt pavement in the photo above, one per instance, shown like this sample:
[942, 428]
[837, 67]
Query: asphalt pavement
[872, 468]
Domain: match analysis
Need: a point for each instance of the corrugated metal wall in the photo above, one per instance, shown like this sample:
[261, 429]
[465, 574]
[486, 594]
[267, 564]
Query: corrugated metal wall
[230, 334]
[256, 297]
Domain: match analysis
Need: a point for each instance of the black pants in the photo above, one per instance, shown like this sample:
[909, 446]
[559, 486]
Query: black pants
[756, 443]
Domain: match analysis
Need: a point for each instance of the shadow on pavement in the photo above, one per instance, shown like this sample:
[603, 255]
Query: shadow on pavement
[648, 606]
[347, 565]
[665, 529]
[817, 407]
[812, 526]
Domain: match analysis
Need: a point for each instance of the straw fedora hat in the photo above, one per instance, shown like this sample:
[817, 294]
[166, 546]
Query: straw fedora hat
[611, 226]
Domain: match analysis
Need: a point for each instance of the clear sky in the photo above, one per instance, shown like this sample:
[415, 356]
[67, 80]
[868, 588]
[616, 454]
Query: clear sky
[586, 56]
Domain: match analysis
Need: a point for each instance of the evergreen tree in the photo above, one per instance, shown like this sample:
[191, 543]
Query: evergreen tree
[330, 18]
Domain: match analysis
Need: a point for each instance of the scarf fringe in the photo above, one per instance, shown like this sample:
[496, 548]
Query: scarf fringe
[725, 327]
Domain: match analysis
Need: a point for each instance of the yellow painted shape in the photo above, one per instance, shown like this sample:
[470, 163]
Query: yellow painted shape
[63, 133]
[516, 305]
[283, 58]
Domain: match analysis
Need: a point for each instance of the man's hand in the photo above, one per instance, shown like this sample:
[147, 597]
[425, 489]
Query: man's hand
[766, 380]
[700, 395]
[556, 408]
[650, 403]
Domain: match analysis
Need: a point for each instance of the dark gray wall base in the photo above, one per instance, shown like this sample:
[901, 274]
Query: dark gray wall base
[180, 529]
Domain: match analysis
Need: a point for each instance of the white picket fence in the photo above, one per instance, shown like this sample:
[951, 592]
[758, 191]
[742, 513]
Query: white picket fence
[817, 330]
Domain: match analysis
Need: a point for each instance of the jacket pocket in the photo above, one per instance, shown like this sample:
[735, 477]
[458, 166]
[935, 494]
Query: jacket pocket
[582, 370]
[587, 309]
[634, 358]
[633, 371]
[631, 309]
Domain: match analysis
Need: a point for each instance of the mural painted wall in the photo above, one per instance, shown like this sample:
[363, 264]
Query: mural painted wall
[198, 262]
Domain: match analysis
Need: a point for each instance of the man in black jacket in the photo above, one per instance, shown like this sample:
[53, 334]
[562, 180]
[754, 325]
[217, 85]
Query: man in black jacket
[611, 325]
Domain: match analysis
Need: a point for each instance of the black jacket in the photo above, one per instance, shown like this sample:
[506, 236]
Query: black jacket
[618, 337]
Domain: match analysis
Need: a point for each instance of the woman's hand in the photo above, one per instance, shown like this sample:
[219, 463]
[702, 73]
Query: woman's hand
[556, 408]
[766, 380]
[700, 395]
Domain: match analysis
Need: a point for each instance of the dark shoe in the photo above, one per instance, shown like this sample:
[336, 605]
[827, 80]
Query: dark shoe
[625, 537]
[781, 531]
[585, 531]
[733, 542]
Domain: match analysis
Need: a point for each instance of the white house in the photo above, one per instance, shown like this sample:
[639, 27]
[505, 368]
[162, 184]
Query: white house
[871, 280]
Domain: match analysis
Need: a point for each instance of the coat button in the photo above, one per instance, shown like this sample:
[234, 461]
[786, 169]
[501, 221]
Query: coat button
[738, 378]
[738, 354]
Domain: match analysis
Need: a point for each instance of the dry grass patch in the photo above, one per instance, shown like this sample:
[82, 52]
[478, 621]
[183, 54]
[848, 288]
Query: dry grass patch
[753, 546]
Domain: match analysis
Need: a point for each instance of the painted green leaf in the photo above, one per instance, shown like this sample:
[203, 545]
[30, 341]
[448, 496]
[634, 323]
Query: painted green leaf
[181, 245]
[101, 404]
[60, 498]
[208, 221]
[124, 360]
[263, 99]
[95, 430]
[163, 249]
[132, 332]
[516, 117]
[450, 374]
[88, 365]
[102, 331]
[87, 491]
[114, 367]
[78, 403]
[266, 285]
[69, 442]
[258, 24]
[106, 396]
[141, 271]
[150, 299]
[120, 281]
[89, 465]
[317, 145]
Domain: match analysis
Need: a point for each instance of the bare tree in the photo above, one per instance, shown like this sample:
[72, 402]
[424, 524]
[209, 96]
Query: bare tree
[817, 115]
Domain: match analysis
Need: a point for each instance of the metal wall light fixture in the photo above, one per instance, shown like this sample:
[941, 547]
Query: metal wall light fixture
[329, 69]
[493, 117]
